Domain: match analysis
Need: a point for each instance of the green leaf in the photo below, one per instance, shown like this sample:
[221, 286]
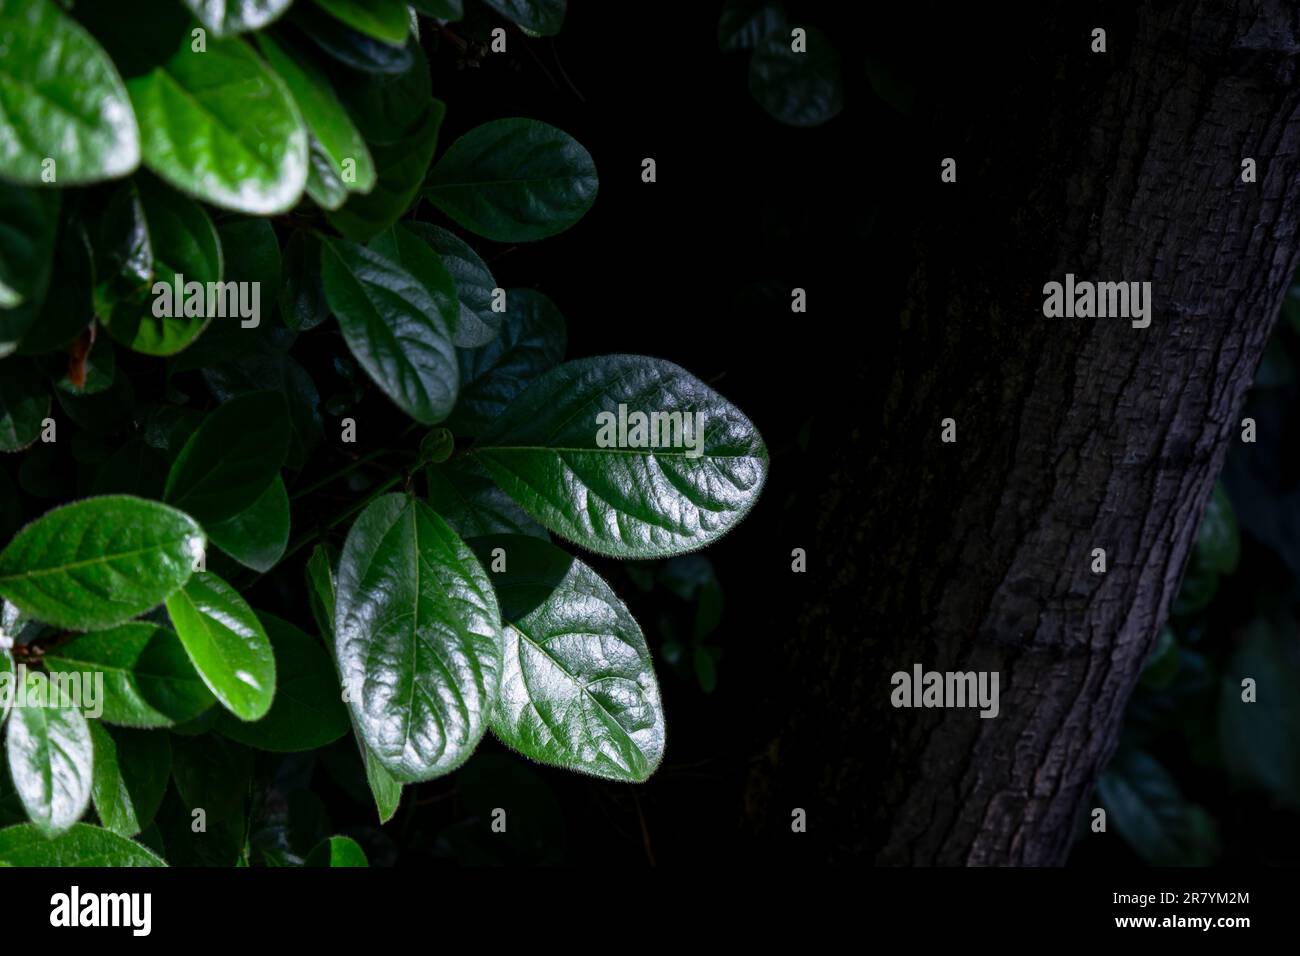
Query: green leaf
[130, 777]
[302, 297]
[6, 677]
[100, 370]
[99, 562]
[308, 711]
[1259, 737]
[531, 342]
[258, 535]
[134, 468]
[405, 247]
[31, 223]
[514, 180]
[221, 126]
[543, 17]
[394, 328]
[212, 773]
[1151, 814]
[1218, 540]
[148, 678]
[744, 23]
[471, 503]
[626, 499]
[357, 50]
[226, 644]
[228, 17]
[400, 168]
[335, 140]
[337, 851]
[161, 234]
[449, 10]
[82, 846]
[231, 459]
[50, 755]
[24, 404]
[385, 20]
[577, 689]
[797, 88]
[417, 638]
[60, 99]
[66, 307]
[478, 324]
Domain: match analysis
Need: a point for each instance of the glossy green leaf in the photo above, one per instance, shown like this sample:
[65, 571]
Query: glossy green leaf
[351, 47]
[802, 88]
[744, 23]
[302, 297]
[232, 459]
[99, 562]
[308, 711]
[514, 180]
[472, 504]
[148, 678]
[161, 234]
[394, 328]
[400, 168]
[258, 535]
[227, 17]
[404, 246]
[226, 644]
[82, 846]
[385, 20]
[130, 777]
[387, 791]
[50, 756]
[543, 17]
[24, 404]
[220, 125]
[337, 851]
[417, 638]
[30, 219]
[335, 140]
[479, 324]
[60, 98]
[577, 689]
[531, 342]
[569, 451]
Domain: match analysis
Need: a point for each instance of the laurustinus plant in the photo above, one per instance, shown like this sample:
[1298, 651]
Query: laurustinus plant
[231, 246]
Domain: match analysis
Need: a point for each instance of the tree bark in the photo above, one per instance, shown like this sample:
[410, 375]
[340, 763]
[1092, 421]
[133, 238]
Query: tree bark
[1072, 434]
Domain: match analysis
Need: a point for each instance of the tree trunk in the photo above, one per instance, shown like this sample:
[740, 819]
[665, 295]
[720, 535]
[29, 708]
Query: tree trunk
[1072, 434]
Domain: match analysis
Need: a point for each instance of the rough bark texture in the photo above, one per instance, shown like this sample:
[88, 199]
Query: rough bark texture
[1073, 434]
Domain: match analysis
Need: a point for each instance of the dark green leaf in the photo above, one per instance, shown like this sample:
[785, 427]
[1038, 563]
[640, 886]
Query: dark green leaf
[417, 638]
[464, 497]
[134, 468]
[50, 755]
[24, 404]
[449, 10]
[148, 678]
[1151, 814]
[1218, 541]
[231, 460]
[797, 88]
[479, 324]
[212, 774]
[99, 371]
[1259, 737]
[514, 180]
[543, 17]
[561, 450]
[337, 851]
[82, 846]
[349, 46]
[68, 307]
[578, 689]
[99, 562]
[385, 20]
[302, 299]
[63, 100]
[258, 535]
[31, 221]
[130, 778]
[308, 711]
[394, 328]
[531, 342]
[404, 247]
[744, 23]
[226, 644]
